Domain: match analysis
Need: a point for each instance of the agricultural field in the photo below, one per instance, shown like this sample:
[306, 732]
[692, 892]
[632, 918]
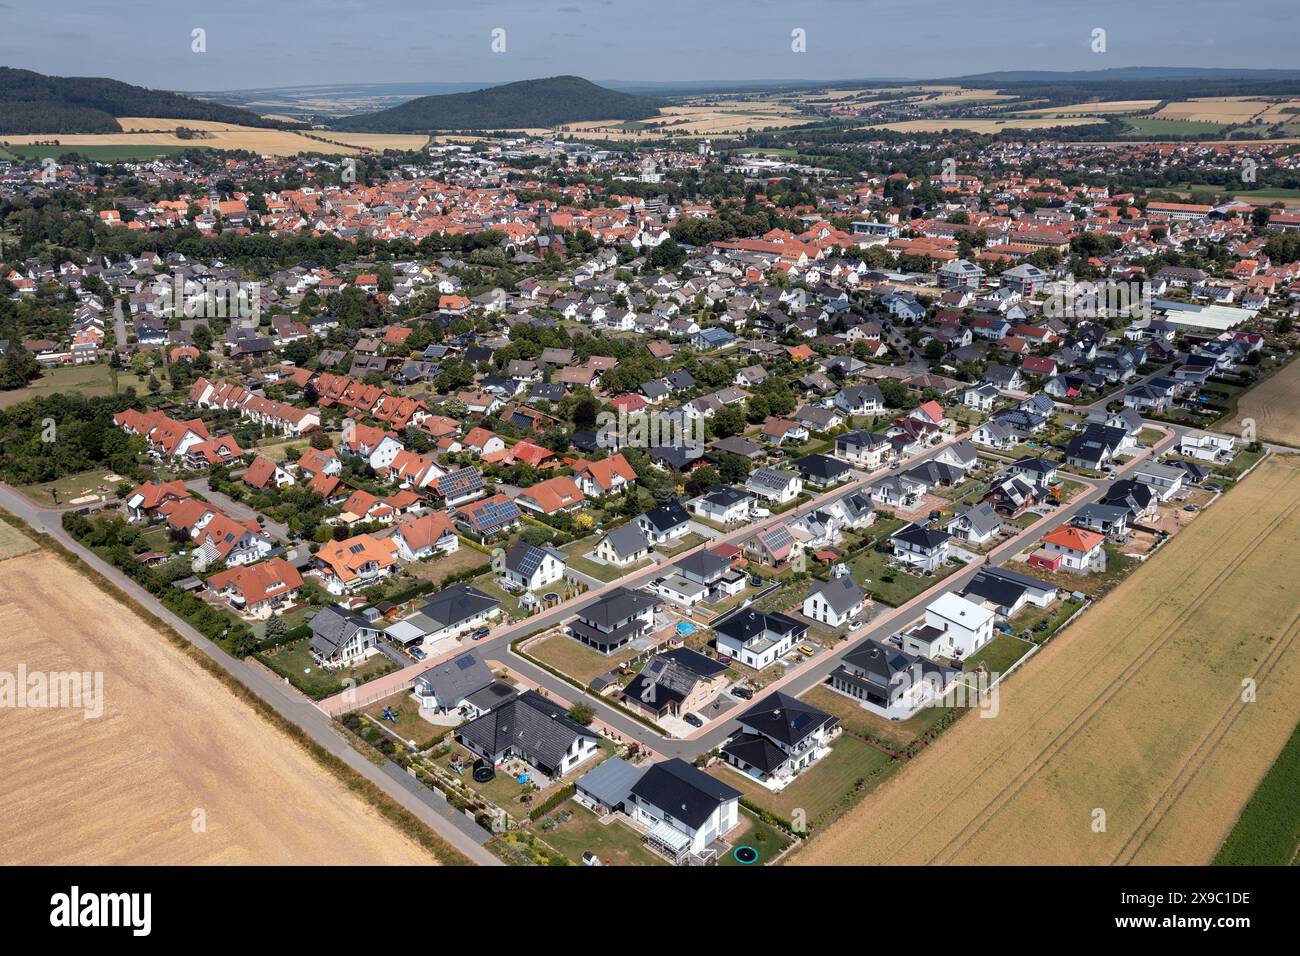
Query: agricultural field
[176, 770]
[1127, 739]
[143, 136]
[985, 125]
[13, 542]
[1268, 831]
[1273, 405]
[716, 116]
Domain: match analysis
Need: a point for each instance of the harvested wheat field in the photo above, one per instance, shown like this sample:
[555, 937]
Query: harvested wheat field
[144, 132]
[1136, 710]
[14, 542]
[122, 788]
[1274, 404]
[985, 125]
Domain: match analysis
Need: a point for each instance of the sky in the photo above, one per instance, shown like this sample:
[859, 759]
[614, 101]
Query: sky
[276, 43]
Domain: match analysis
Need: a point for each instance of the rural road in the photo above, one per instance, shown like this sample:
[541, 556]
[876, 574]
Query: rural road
[430, 806]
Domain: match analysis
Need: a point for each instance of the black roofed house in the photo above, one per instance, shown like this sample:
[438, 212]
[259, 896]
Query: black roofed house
[341, 636]
[454, 610]
[684, 808]
[860, 400]
[1096, 446]
[673, 683]
[531, 567]
[1005, 592]
[888, 681]
[446, 686]
[533, 729]
[822, 470]
[779, 737]
[665, 523]
[724, 505]
[834, 602]
[614, 621]
[935, 472]
[1034, 469]
[714, 571]
[755, 638]
[1012, 495]
[1140, 500]
[920, 548]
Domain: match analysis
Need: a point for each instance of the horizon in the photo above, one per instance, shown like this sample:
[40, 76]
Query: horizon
[346, 42]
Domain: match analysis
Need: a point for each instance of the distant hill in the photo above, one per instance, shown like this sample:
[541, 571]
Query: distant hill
[33, 103]
[528, 103]
[1124, 74]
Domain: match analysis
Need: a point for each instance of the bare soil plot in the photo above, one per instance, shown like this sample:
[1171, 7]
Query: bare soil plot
[1273, 405]
[1135, 711]
[124, 788]
[148, 131]
[1213, 110]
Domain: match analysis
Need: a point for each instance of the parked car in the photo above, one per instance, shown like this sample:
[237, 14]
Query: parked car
[481, 633]
[1190, 508]
[743, 693]
[418, 653]
[693, 720]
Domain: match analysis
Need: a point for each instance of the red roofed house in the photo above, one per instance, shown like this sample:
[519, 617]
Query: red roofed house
[258, 589]
[604, 477]
[1071, 548]
[145, 500]
[263, 473]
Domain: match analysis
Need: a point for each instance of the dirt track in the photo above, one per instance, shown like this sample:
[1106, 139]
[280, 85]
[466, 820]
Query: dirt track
[1136, 711]
[122, 788]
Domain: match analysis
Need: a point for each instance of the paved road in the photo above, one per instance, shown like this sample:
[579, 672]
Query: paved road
[239, 510]
[430, 806]
[119, 324]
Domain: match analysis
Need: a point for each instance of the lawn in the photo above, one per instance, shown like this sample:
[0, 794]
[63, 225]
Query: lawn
[753, 832]
[861, 722]
[294, 661]
[999, 654]
[89, 380]
[569, 657]
[1094, 584]
[823, 791]
[599, 571]
[877, 572]
[410, 725]
[572, 829]
[681, 544]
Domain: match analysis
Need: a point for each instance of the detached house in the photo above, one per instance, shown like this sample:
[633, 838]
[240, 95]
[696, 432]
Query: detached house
[340, 636]
[834, 602]
[757, 639]
[534, 729]
[780, 737]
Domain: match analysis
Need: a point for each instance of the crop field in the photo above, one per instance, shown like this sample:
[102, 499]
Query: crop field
[176, 770]
[145, 135]
[14, 542]
[1127, 739]
[1215, 110]
[717, 117]
[1093, 109]
[985, 125]
[1268, 830]
[1274, 405]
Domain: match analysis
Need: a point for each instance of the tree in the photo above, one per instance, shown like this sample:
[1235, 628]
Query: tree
[667, 256]
[728, 421]
[581, 713]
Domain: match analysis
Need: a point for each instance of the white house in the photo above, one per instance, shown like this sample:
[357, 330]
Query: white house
[953, 627]
[1212, 448]
[531, 567]
[775, 485]
[834, 602]
[684, 808]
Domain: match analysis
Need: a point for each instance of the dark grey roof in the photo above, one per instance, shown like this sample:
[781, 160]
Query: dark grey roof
[332, 627]
[840, 593]
[454, 680]
[683, 791]
[667, 516]
[703, 566]
[628, 539]
[821, 467]
[539, 728]
[785, 719]
[920, 536]
[617, 607]
[458, 603]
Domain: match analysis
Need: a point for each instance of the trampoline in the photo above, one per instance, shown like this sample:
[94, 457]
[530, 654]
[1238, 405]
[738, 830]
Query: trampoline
[745, 855]
[484, 773]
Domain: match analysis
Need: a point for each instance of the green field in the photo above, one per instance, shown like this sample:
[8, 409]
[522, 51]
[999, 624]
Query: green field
[1142, 126]
[89, 380]
[1268, 831]
[615, 843]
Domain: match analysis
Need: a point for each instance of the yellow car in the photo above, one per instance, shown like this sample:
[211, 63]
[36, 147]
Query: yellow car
[805, 650]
